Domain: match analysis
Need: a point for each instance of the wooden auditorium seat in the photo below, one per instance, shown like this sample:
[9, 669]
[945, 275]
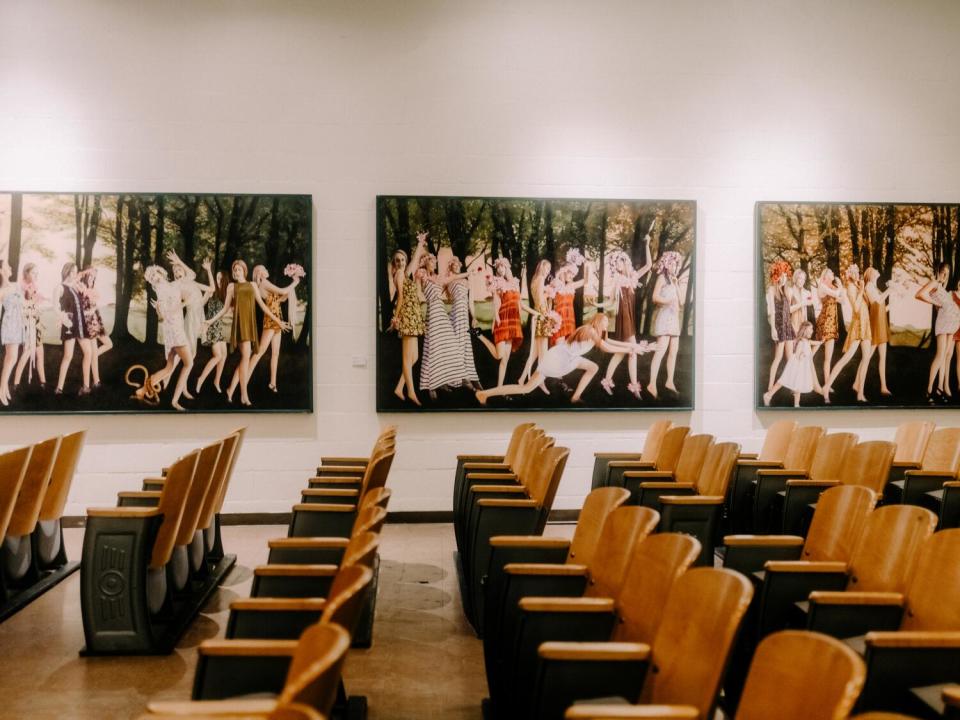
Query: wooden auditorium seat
[911, 439]
[282, 711]
[13, 468]
[940, 464]
[668, 455]
[49, 552]
[646, 457]
[692, 454]
[333, 461]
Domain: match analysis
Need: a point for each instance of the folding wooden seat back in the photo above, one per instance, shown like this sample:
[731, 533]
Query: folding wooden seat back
[204, 478]
[654, 439]
[943, 451]
[377, 471]
[61, 477]
[370, 519]
[796, 675]
[221, 472]
[671, 448]
[347, 596]
[830, 454]
[717, 469]
[516, 441]
[546, 479]
[837, 523]
[691, 458]
[171, 506]
[868, 465]
[690, 650]
[361, 549]
[657, 561]
[315, 668]
[379, 497]
[13, 467]
[534, 443]
[931, 601]
[911, 441]
[26, 510]
[597, 506]
[803, 447]
[886, 553]
[777, 441]
[623, 528]
[240, 433]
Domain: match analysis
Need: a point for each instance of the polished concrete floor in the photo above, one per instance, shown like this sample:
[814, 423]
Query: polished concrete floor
[425, 661]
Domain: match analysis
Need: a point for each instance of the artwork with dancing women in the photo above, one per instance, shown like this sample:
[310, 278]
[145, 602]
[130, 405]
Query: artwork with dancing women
[858, 305]
[155, 303]
[525, 303]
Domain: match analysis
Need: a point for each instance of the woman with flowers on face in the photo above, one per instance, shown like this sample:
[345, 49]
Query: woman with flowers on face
[625, 279]
[666, 319]
[566, 288]
[858, 335]
[778, 315]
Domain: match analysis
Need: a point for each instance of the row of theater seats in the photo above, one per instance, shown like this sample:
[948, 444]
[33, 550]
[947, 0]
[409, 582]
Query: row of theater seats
[34, 484]
[150, 563]
[308, 605]
[862, 610]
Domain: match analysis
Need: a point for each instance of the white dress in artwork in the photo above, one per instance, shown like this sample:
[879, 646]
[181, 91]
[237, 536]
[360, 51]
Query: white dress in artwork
[563, 357]
[170, 310]
[799, 374]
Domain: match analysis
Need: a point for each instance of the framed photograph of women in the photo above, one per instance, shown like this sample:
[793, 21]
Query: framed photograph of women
[133, 302]
[858, 305]
[534, 303]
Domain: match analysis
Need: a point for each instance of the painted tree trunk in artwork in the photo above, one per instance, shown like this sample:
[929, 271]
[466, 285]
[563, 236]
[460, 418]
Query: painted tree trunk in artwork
[16, 230]
[91, 228]
[146, 258]
[118, 245]
[121, 329]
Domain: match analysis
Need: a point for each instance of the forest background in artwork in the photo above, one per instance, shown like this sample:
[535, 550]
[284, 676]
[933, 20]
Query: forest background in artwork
[525, 231]
[120, 234]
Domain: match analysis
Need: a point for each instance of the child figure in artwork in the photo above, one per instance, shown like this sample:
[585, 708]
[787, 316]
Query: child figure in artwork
[799, 374]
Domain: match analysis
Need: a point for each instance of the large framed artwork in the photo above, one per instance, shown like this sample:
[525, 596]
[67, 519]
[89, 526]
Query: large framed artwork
[534, 304]
[131, 302]
[858, 305]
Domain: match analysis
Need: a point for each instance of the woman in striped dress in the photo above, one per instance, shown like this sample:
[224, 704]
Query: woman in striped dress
[458, 288]
[442, 363]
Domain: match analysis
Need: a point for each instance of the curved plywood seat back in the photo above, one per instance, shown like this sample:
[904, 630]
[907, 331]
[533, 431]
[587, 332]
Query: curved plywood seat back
[13, 466]
[886, 553]
[691, 458]
[911, 440]
[516, 440]
[240, 433]
[557, 462]
[172, 499]
[703, 613]
[314, 672]
[61, 477]
[26, 510]
[670, 449]
[943, 451]
[536, 467]
[361, 550]
[624, 527]
[831, 452]
[536, 442]
[596, 507]
[220, 478]
[931, 599]
[378, 471]
[717, 469]
[654, 439]
[346, 597]
[658, 560]
[379, 497]
[803, 675]
[868, 464]
[837, 523]
[370, 519]
[204, 478]
[777, 441]
[803, 446]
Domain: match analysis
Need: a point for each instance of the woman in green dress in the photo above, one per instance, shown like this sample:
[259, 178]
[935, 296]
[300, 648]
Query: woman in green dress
[243, 297]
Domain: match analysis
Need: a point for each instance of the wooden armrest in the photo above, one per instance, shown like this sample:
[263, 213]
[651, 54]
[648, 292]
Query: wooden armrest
[914, 639]
[492, 476]
[805, 566]
[930, 473]
[651, 474]
[345, 460]
[480, 458]
[618, 455]
[292, 570]
[330, 492]
[905, 464]
[813, 483]
[636, 465]
[312, 543]
[556, 569]
[782, 472]
[153, 494]
[763, 540]
[324, 507]
[336, 480]
[840, 597]
[123, 512]
[505, 502]
[951, 695]
[528, 541]
[564, 604]
[594, 651]
[590, 711]
[692, 499]
[952, 484]
[206, 708]
[747, 456]
[750, 462]
[481, 489]
[666, 486]
[485, 466]
[259, 648]
[268, 603]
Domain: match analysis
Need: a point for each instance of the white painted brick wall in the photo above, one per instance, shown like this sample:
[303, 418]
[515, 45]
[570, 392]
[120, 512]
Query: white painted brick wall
[721, 101]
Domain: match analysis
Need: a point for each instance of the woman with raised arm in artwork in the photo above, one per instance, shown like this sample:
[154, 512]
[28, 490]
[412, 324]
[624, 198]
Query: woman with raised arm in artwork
[407, 318]
[541, 299]
[666, 319]
[213, 336]
[567, 356]
[442, 364]
[858, 336]
[194, 296]
[625, 281]
[879, 326]
[11, 327]
[827, 329]
[778, 316]
[33, 329]
[946, 325]
[244, 297]
[73, 329]
[461, 315]
[270, 336]
[566, 290]
[100, 342]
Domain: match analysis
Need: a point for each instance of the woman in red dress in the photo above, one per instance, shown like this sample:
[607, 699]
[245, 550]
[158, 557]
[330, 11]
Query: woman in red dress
[507, 328]
[566, 288]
